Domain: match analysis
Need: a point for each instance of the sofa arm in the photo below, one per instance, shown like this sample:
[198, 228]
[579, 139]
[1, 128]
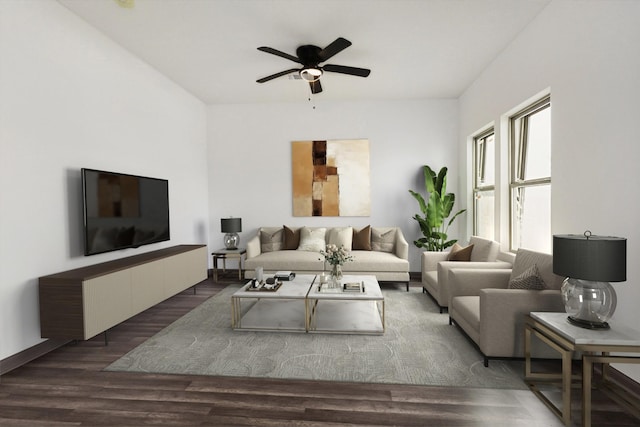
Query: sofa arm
[253, 247]
[430, 259]
[402, 247]
[502, 316]
[469, 281]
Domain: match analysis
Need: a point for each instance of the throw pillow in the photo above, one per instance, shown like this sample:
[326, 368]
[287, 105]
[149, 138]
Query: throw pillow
[291, 238]
[341, 237]
[529, 279]
[271, 241]
[459, 253]
[312, 240]
[361, 240]
[383, 240]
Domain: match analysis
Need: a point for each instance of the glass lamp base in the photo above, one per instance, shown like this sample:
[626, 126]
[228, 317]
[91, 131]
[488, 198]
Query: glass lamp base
[589, 304]
[231, 241]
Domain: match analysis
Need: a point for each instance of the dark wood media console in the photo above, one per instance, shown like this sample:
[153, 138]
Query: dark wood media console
[82, 303]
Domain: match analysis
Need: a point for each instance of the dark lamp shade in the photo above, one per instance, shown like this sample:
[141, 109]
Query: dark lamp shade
[231, 225]
[596, 258]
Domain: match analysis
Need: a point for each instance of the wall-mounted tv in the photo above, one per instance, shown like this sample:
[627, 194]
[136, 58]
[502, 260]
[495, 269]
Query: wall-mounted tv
[123, 211]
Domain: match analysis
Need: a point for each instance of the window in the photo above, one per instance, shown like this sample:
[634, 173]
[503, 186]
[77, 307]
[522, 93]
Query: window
[484, 184]
[530, 166]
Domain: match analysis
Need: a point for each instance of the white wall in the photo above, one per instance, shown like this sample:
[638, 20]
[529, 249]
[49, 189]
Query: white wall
[587, 53]
[71, 98]
[250, 159]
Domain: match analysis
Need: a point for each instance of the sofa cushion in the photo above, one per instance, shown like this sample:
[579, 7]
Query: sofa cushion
[467, 309]
[341, 237]
[364, 261]
[312, 240]
[529, 279]
[484, 250]
[383, 239]
[459, 253]
[286, 260]
[291, 238]
[361, 240]
[271, 240]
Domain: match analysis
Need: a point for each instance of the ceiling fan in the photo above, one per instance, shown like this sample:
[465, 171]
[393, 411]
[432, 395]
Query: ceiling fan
[310, 57]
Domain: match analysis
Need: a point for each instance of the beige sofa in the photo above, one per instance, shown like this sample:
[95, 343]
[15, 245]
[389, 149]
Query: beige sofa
[490, 308]
[380, 251]
[436, 267]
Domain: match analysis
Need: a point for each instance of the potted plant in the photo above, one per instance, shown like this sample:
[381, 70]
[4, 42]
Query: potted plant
[435, 211]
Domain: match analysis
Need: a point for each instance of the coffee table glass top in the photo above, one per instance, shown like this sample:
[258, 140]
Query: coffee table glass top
[293, 289]
[371, 289]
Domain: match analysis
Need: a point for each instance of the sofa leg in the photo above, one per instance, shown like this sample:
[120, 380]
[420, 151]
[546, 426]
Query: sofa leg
[450, 321]
[407, 286]
[486, 362]
[424, 290]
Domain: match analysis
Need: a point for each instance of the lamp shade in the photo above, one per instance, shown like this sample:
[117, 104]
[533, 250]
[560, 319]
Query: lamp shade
[231, 225]
[588, 257]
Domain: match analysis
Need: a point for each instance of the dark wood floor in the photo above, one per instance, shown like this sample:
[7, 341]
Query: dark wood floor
[69, 387]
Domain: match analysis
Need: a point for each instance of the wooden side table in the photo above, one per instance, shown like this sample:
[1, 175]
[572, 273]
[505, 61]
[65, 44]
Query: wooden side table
[224, 255]
[596, 346]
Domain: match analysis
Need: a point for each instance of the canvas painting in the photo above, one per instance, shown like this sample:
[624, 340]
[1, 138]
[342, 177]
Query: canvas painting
[331, 178]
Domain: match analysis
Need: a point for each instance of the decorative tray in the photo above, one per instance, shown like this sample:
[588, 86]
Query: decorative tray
[264, 287]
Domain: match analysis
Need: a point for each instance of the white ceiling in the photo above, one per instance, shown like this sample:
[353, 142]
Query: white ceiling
[415, 48]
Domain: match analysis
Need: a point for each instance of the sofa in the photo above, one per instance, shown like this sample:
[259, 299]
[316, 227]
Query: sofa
[479, 253]
[379, 251]
[490, 305]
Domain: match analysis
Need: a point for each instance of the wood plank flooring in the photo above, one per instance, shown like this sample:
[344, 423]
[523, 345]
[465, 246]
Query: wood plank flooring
[68, 387]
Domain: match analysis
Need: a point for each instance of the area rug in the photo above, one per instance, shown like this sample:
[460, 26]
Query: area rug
[419, 347]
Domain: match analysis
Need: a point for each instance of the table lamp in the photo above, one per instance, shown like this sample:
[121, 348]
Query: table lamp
[231, 226]
[589, 263]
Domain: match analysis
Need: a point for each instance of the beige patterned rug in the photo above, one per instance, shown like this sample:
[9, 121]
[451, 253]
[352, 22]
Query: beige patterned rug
[419, 347]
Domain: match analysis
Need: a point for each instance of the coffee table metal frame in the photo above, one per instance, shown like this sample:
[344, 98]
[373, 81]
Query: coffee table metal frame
[360, 312]
[346, 312]
[293, 292]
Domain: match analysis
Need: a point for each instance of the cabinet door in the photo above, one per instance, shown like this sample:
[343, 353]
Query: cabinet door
[107, 302]
[185, 270]
[147, 286]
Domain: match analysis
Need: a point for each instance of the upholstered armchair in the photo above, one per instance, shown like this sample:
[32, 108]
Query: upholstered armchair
[436, 266]
[490, 305]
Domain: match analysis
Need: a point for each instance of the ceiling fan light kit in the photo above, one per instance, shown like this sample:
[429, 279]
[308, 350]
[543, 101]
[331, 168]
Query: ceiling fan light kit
[310, 57]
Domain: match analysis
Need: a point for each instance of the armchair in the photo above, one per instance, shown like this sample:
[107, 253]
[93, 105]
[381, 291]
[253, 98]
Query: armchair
[436, 266]
[492, 314]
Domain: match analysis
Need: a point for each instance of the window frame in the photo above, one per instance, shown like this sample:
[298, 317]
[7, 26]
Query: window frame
[477, 189]
[517, 167]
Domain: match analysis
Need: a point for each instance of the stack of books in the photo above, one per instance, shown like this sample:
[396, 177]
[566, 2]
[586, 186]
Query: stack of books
[353, 287]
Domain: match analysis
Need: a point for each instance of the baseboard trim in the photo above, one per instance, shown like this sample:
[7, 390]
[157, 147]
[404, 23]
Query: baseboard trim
[29, 354]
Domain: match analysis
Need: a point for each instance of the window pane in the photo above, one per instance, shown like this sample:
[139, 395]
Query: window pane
[484, 214]
[531, 216]
[538, 164]
[485, 161]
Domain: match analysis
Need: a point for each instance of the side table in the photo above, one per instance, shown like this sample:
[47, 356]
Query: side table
[596, 346]
[224, 255]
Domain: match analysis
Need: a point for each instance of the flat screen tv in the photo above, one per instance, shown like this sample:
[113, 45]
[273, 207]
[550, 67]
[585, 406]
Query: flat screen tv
[123, 211]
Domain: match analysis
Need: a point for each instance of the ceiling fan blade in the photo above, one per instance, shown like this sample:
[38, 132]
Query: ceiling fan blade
[316, 87]
[336, 46]
[361, 72]
[280, 54]
[276, 75]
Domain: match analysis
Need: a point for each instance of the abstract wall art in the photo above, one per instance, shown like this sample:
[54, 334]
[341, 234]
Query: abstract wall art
[331, 178]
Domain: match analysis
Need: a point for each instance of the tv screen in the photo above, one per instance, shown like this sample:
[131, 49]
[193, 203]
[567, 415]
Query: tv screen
[123, 211]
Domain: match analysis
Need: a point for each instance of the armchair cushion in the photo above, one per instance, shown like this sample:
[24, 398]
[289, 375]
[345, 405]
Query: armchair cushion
[529, 279]
[459, 253]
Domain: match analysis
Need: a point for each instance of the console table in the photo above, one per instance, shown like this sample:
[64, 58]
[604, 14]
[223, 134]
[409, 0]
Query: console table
[596, 346]
[82, 303]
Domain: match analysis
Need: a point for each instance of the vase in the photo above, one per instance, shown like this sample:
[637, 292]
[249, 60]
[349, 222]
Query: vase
[336, 275]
